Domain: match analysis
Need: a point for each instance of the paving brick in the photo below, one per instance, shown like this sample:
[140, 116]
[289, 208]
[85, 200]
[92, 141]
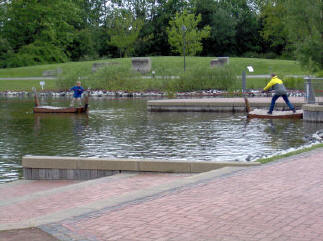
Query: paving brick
[278, 201]
[17, 211]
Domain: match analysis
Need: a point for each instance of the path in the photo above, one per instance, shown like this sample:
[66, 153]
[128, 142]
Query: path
[282, 200]
[29, 78]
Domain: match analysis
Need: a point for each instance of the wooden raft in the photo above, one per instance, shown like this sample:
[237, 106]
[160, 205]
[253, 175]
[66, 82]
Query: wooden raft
[261, 113]
[54, 109]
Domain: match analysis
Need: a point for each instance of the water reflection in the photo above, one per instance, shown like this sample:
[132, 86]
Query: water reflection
[124, 128]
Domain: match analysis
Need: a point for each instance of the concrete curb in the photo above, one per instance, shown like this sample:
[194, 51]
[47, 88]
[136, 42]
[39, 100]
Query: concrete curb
[52, 167]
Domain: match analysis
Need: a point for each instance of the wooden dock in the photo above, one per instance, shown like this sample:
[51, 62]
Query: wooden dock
[220, 104]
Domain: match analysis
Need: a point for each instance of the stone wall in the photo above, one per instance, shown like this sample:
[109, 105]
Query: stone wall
[219, 61]
[313, 112]
[142, 65]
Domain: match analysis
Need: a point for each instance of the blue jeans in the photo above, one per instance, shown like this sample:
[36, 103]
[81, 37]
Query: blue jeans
[273, 101]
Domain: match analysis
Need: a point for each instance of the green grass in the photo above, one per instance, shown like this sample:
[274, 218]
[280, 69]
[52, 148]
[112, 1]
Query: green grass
[274, 158]
[163, 65]
[25, 85]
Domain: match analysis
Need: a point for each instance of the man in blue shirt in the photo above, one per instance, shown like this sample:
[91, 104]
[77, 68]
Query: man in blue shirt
[78, 90]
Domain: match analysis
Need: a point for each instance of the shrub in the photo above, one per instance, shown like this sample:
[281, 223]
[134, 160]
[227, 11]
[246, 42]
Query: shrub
[37, 53]
[206, 79]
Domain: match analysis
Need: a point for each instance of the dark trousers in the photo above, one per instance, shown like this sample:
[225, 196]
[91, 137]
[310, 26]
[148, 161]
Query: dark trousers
[273, 101]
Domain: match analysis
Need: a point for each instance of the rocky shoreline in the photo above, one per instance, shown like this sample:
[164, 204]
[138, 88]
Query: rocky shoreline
[106, 93]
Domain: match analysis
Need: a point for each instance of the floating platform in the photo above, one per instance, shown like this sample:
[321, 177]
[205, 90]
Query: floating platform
[55, 109]
[219, 104]
[261, 113]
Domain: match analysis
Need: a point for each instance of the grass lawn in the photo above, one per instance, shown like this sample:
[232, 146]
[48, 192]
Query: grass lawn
[274, 158]
[20, 85]
[163, 65]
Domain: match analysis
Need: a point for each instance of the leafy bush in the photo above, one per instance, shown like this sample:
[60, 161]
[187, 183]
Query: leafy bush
[319, 74]
[37, 53]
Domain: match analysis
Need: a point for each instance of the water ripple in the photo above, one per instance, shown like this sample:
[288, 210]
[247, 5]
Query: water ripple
[124, 129]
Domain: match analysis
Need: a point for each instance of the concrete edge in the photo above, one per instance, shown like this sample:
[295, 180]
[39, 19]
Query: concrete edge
[138, 165]
[124, 199]
[312, 107]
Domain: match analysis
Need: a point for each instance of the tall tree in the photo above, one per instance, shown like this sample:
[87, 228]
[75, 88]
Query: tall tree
[124, 31]
[305, 27]
[183, 30]
[40, 31]
[274, 30]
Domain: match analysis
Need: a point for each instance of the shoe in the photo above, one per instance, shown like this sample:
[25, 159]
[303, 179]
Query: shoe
[269, 112]
[294, 111]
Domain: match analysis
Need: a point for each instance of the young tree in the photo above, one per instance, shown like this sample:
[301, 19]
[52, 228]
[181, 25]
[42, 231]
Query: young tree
[184, 28]
[123, 30]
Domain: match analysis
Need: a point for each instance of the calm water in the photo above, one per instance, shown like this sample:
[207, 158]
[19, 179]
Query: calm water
[124, 128]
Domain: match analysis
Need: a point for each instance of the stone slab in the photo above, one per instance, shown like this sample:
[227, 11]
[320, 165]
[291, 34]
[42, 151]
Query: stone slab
[107, 164]
[164, 166]
[313, 112]
[55, 168]
[49, 162]
[141, 64]
[219, 104]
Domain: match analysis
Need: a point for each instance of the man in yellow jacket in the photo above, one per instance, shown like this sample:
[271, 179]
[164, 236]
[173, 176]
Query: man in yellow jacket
[277, 84]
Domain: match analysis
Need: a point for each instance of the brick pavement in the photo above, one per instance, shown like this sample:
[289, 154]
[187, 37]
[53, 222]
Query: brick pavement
[279, 201]
[22, 188]
[14, 211]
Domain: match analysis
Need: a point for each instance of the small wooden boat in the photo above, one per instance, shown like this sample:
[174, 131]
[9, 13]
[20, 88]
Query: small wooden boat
[54, 109]
[261, 113]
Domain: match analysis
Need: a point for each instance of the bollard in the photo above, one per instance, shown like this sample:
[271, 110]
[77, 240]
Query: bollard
[310, 97]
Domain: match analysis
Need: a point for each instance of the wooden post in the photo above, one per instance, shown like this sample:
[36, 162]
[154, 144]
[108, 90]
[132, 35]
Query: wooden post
[35, 97]
[247, 104]
[86, 100]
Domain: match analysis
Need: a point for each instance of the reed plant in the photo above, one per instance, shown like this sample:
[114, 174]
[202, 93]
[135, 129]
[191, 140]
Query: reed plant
[122, 77]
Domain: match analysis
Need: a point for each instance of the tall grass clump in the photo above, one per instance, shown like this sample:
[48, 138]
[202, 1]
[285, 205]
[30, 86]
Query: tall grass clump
[68, 78]
[195, 79]
[119, 77]
[294, 83]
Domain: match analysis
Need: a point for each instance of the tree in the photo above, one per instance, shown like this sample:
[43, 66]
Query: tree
[192, 34]
[304, 23]
[274, 30]
[124, 30]
[40, 31]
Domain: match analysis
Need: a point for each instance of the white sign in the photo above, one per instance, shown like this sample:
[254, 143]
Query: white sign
[250, 68]
[42, 84]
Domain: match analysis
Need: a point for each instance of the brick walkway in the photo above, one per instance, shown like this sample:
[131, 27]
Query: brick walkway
[279, 201]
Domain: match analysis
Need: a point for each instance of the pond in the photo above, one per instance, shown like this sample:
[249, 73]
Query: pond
[123, 128]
